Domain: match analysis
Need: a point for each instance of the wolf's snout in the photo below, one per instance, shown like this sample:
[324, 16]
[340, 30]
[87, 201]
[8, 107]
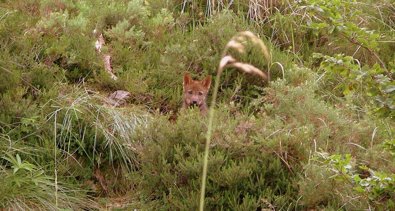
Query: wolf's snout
[194, 103]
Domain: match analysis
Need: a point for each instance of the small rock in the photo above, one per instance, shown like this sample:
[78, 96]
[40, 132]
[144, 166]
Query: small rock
[118, 97]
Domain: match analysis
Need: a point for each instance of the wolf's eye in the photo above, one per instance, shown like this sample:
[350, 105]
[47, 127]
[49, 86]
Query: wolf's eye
[200, 93]
[190, 92]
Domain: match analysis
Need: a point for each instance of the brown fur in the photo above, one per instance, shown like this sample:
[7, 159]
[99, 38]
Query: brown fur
[195, 93]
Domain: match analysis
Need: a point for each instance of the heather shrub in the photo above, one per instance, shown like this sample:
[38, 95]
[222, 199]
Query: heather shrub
[241, 172]
[274, 146]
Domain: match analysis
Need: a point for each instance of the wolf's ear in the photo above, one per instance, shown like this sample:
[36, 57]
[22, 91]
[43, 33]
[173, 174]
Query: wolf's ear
[207, 82]
[187, 79]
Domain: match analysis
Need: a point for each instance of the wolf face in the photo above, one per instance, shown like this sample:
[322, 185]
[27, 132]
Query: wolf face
[195, 92]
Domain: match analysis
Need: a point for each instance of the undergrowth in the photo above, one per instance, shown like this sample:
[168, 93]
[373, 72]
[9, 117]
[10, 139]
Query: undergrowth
[318, 135]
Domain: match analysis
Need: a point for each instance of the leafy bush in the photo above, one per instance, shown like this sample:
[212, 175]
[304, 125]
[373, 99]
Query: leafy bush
[357, 181]
[345, 77]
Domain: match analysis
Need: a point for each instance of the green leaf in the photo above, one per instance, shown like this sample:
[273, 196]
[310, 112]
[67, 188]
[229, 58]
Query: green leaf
[356, 178]
[389, 89]
[359, 189]
[18, 158]
[15, 169]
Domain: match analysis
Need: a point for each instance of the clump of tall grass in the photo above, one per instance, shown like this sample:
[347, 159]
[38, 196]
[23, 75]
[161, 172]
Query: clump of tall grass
[81, 129]
[260, 11]
[85, 124]
[255, 10]
[27, 187]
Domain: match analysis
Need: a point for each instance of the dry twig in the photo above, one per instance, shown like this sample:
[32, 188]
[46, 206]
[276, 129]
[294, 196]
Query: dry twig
[105, 57]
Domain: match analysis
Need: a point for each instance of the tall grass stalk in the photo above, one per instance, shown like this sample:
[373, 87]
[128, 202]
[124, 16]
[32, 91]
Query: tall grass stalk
[55, 169]
[237, 43]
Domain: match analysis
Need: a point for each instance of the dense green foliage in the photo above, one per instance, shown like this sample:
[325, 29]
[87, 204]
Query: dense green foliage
[319, 135]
